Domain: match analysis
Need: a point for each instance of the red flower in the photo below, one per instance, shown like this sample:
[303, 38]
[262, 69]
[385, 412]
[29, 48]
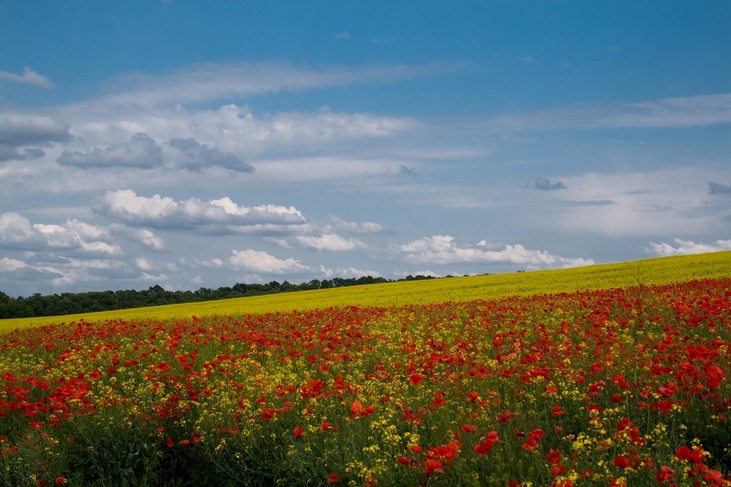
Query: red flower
[557, 410]
[490, 439]
[554, 456]
[621, 462]
[432, 465]
[403, 461]
[96, 375]
[297, 432]
[356, 408]
[685, 453]
[506, 416]
[416, 379]
[557, 470]
[326, 426]
[60, 480]
[169, 442]
[665, 474]
[333, 478]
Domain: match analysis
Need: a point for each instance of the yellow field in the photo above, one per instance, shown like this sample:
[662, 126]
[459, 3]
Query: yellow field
[649, 271]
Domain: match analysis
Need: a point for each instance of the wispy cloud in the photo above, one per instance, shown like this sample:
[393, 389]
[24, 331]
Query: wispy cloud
[210, 81]
[331, 242]
[690, 111]
[29, 77]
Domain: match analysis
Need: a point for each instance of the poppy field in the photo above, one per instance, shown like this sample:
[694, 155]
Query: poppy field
[618, 387]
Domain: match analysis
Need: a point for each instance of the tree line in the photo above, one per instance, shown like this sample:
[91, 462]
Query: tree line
[72, 303]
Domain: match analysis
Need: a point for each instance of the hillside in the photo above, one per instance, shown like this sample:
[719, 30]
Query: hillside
[659, 270]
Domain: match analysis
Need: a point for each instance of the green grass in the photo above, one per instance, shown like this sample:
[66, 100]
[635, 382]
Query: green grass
[660, 270]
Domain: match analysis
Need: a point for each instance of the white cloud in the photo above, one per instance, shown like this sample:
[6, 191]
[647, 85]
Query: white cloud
[11, 265]
[329, 273]
[629, 204]
[355, 227]
[17, 232]
[29, 77]
[221, 216]
[257, 261]
[686, 247]
[140, 152]
[442, 249]
[210, 81]
[330, 242]
[528, 59]
[142, 236]
[151, 265]
[692, 111]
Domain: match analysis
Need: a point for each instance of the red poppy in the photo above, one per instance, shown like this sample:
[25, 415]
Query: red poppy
[554, 456]
[432, 465]
[333, 478]
[416, 379]
[297, 432]
[685, 453]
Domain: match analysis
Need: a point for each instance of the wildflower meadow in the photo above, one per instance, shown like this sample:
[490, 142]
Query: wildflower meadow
[617, 387]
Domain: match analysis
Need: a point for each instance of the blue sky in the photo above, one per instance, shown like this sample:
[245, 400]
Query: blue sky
[200, 144]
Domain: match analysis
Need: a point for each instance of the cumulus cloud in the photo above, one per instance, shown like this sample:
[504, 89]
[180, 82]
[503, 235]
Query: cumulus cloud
[330, 242]
[202, 156]
[141, 152]
[686, 247]
[17, 129]
[722, 189]
[258, 261]
[29, 77]
[17, 232]
[221, 216]
[442, 249]
[545, 184]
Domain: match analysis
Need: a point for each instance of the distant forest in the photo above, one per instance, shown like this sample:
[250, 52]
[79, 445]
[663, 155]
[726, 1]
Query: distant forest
[72, 303]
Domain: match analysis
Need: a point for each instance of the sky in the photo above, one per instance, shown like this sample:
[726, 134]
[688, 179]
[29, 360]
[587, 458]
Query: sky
[193, 144]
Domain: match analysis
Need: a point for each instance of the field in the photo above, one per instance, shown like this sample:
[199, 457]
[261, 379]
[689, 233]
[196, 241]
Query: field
[649, 271]
[612, 375]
